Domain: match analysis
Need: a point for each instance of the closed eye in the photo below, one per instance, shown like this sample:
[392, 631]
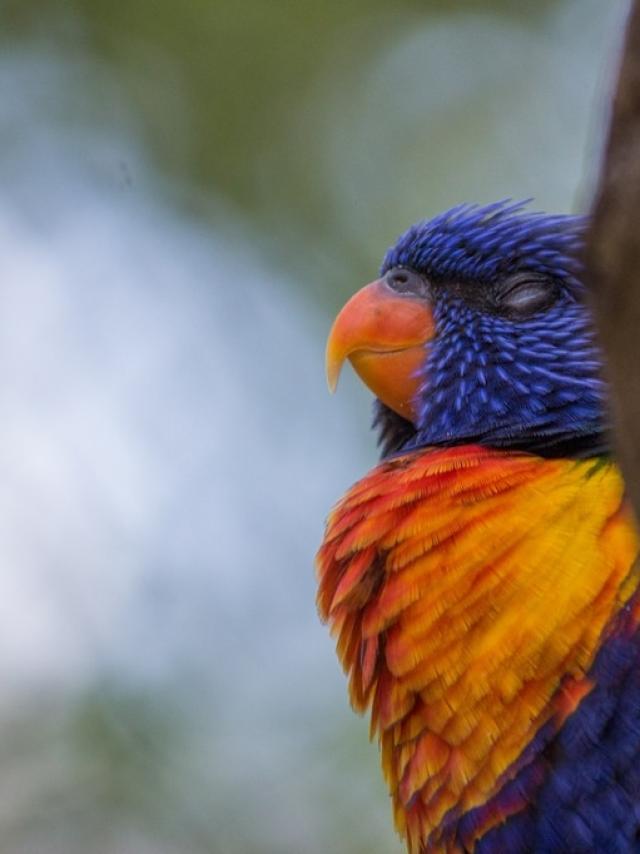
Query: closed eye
[526, 294]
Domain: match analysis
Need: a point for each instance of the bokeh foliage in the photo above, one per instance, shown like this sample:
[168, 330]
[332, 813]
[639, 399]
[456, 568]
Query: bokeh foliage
[241, 100]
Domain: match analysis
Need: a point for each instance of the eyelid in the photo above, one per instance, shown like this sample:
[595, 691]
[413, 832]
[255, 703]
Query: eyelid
[534, 288]
[524, 278]
[523, 284]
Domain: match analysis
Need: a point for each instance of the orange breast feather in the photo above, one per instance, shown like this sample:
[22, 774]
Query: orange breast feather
[468, 590]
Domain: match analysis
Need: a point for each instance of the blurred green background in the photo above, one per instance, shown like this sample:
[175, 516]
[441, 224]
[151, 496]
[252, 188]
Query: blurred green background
[187, 194]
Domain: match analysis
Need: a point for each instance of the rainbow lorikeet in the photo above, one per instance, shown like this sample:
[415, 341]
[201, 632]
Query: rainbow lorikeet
[481, 580]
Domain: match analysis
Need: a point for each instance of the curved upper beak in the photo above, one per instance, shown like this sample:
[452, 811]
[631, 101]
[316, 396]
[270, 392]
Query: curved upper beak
[383, 334]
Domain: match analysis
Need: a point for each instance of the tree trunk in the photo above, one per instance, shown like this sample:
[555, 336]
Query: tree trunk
[613, 258]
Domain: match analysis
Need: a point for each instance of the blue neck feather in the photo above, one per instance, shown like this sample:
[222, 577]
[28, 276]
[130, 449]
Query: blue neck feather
[504, 383]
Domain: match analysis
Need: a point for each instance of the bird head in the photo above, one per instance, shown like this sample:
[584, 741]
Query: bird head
[477, 330]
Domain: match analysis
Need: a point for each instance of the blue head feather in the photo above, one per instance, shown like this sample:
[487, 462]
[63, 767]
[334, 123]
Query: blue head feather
[530, 383]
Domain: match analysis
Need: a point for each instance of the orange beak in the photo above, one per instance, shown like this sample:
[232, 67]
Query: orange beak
[383, 335]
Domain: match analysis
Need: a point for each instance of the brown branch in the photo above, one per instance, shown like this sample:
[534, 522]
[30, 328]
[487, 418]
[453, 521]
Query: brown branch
[613, 257]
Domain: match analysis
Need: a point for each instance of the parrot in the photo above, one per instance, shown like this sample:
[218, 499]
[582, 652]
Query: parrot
[481, 580]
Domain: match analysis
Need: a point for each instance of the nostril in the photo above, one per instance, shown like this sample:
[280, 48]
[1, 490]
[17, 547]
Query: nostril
[405, 281]
[399, 278]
